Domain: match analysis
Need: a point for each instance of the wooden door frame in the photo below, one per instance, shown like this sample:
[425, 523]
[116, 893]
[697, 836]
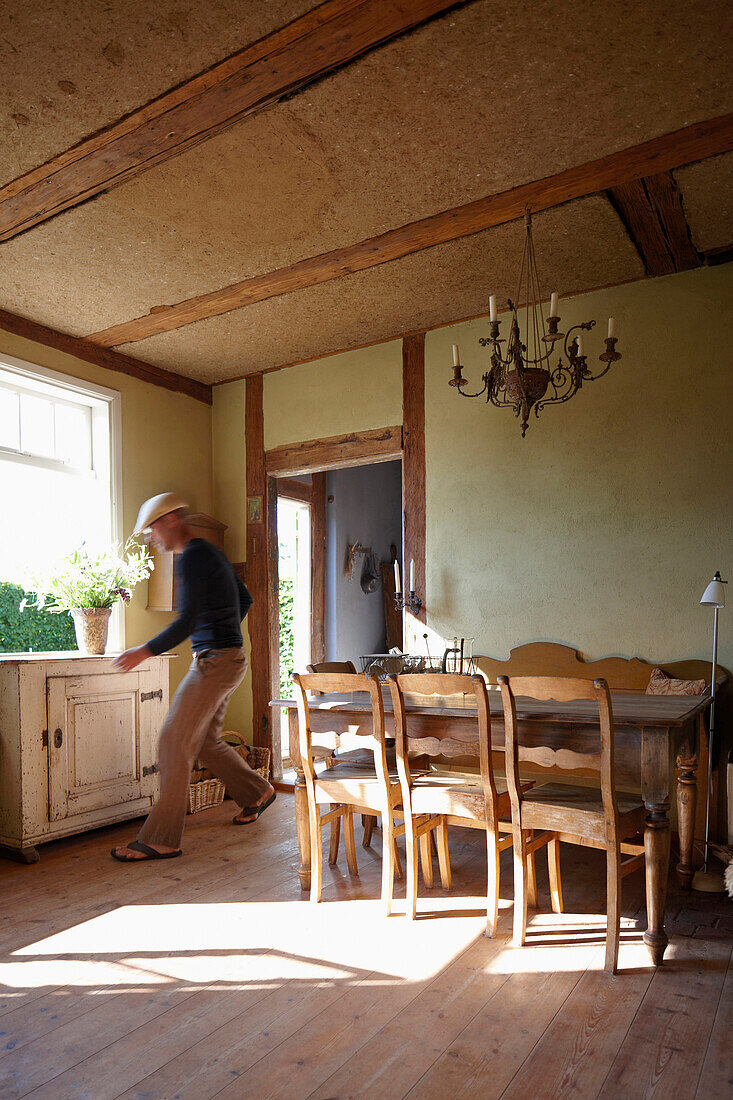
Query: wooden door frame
[405, 441]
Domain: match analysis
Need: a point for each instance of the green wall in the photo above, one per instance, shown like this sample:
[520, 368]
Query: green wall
[603, 526]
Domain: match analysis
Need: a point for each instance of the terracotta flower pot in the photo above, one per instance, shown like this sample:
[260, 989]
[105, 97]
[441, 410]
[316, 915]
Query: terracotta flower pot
[91, 625]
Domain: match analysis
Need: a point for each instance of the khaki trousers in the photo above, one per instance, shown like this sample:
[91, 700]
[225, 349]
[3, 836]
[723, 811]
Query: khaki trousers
[191, 729]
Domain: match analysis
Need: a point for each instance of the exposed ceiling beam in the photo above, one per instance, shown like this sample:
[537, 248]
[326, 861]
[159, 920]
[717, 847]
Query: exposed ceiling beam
[103, 357]
[693, 143]
[316, 44]
[652, 213]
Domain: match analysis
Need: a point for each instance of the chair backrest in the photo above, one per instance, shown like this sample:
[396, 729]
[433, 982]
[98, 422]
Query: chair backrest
[559, 689]
[333, 666]
[410, 740]
[370, 736]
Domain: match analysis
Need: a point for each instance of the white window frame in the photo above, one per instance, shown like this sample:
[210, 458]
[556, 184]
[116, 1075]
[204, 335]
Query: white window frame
[43, 380]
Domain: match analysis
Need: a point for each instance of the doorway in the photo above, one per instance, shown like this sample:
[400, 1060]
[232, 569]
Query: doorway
[294, 586]
[324, 610]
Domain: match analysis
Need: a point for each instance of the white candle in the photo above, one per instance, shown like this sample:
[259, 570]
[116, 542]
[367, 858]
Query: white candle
[553, 304]
[492, 307]
[456, 360]
[611, 328]
[397, 577]
[580, 345]
[412, 575]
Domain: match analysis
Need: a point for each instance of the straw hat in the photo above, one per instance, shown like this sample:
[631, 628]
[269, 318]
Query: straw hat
[155, 508]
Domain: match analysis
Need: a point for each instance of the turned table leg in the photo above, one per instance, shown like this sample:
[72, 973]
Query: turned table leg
[302, 823]
[656, 780]
[686, 810]
[656, 847]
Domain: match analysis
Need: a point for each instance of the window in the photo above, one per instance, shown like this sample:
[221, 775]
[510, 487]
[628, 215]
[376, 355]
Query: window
[59, 470]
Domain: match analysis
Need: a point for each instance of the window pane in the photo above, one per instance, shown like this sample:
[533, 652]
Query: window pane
[36, 425]
[9, 431]
[73, 435]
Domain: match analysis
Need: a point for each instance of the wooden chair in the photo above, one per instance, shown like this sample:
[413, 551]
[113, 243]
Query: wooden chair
[435, 800]
[348, 788]
[359, 756]
[576, 815]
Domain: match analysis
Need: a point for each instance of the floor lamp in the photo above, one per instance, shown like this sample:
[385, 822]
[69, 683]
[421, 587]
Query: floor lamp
[713, 596]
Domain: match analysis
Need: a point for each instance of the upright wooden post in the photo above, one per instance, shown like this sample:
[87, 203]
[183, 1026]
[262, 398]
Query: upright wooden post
[257, 571]
[318, 567]
[413, 469]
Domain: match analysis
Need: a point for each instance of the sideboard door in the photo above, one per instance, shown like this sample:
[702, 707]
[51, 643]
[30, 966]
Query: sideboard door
[94, 742]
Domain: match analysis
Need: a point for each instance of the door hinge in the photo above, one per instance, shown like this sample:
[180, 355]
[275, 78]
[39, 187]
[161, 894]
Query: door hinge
[146, 695]
[44, 739]
[151, 770]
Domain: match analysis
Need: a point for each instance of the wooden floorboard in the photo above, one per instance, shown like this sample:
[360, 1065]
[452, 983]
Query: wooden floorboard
[716, 1078]
[212, 975]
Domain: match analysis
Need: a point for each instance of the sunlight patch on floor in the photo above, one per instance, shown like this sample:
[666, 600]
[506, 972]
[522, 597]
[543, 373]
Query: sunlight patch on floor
[238, 944]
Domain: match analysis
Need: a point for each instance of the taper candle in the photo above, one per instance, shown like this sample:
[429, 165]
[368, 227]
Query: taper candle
[611, 327]
[397, 587]
[412, 575]
[456, 360]
[553, 304]
[492, 307]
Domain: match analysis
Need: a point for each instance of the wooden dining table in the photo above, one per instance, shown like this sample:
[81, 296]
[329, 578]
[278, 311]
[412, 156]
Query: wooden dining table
[654, 735]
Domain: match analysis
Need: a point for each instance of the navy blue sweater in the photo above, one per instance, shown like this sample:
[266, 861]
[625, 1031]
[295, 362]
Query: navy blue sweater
[213, 601]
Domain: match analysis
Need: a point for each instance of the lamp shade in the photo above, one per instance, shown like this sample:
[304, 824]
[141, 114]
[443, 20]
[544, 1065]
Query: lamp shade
[714, 594]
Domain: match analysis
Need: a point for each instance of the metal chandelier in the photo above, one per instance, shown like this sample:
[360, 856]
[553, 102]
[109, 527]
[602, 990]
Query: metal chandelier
[524, 381]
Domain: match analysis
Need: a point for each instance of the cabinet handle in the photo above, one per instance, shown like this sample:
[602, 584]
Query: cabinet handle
[58, 738]
[151, 770]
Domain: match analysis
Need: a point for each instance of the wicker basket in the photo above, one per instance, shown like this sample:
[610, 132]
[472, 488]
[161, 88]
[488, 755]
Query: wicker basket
[205, 793]
[206, 790]
[258, 760]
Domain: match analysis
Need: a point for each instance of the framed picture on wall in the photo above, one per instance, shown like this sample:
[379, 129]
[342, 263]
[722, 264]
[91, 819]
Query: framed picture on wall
[254, 509]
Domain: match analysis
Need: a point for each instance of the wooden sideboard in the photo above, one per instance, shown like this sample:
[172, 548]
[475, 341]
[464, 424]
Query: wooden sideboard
[78, 745]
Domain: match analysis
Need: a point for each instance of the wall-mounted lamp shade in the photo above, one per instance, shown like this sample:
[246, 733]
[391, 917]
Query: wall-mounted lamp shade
[714, 594]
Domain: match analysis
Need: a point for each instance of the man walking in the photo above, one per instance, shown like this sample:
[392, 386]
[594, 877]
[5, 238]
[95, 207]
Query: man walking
[213, 603]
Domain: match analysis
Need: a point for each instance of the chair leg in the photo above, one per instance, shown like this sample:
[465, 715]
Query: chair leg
[333, 851]
[443, 853]
[388, 864]
[368, 822]
[613, 907]
[520, 887]
[397, 860]
[349, 841]
[411, 872]
[553, 867]
[426, 860]
[316, 855]
[531, 875]
[492, 884]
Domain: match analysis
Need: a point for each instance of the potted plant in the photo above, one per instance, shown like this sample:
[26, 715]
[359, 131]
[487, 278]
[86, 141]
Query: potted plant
[88, 585]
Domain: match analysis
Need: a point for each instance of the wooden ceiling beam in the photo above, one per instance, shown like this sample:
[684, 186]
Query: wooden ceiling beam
[653, 216]
[103, 357]
[318, 43]
[693, 143]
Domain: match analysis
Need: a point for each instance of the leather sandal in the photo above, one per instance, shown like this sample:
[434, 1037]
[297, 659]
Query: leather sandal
[254, 811]
[148, 853]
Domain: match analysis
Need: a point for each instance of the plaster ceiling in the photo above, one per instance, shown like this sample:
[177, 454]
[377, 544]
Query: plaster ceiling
[707, 191]
[71, 67]
[578, 245]
[487, 97]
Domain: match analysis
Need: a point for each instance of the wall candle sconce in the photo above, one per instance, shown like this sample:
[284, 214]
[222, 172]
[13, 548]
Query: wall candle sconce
[412, 602]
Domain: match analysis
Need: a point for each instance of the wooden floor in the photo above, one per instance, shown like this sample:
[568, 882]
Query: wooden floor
[211, 976]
